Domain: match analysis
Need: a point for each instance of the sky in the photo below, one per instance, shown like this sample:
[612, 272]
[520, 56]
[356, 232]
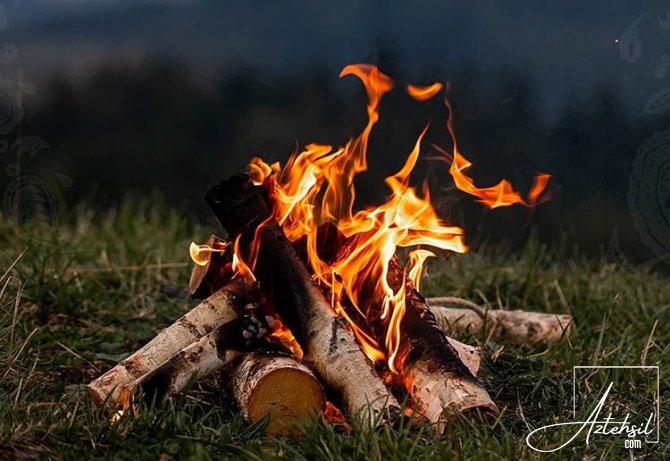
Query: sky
[566, 46]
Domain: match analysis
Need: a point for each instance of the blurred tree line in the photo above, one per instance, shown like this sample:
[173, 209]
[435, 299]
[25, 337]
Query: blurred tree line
[159, 126]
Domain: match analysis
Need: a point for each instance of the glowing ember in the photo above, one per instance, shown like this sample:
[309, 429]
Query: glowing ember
[116, 417]
[317, 186]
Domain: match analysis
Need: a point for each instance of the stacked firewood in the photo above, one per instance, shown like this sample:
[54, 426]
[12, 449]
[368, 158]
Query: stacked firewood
[286, 351]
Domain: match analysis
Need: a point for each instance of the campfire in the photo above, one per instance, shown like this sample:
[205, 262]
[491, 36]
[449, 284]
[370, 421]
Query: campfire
[308, 306]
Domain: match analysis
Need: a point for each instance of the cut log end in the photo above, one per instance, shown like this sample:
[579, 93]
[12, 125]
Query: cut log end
[278, 389]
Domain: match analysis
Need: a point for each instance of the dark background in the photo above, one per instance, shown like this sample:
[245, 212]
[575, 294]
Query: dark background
[168, 96]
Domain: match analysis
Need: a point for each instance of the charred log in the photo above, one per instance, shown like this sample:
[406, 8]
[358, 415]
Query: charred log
[436, 377]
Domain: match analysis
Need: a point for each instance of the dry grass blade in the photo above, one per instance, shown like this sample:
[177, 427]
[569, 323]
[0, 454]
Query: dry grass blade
[15, 314]
[11, 266]
[67, 349]
[18, 353]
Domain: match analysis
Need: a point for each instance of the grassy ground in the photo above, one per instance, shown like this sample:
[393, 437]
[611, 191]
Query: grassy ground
[85, 294]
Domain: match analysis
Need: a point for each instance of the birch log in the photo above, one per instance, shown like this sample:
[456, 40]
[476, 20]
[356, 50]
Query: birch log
[328, 342]
[277, 388]
[436, 376]
[471, 356]
[211, 313]
[210, 353]
[514, 327]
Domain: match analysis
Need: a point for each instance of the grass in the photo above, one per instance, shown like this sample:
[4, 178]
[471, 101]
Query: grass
[83, 295]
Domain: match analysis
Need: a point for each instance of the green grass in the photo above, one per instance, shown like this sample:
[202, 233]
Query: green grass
[85, 294]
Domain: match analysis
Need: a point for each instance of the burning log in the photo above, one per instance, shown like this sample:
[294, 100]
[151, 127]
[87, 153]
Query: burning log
[436, 377]
[276, 387]
[328, 341]
[221, 307]
[515, 327]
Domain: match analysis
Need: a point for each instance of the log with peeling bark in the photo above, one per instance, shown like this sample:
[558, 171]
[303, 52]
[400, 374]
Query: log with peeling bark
[436, 376]
[215, 351]
[221, 307]
[514, 327]
[471, 356]
[328, 342]
[211, 353]
[277, 388]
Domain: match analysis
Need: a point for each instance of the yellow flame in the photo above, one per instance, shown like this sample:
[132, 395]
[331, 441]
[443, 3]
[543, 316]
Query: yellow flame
[417, 258]
[259, 171]
[201, 254]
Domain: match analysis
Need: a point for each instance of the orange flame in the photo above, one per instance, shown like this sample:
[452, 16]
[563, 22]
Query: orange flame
[502, 194]
[259, 171]
[317, 185]
[333, 415]
[424, 93]
[239, 266]
[282, 336]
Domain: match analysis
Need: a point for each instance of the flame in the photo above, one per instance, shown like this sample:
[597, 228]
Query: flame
[317, 185]
[259, 171]
[239, 266]
[500, 195]
[282, 336]
[424, 93]
[369, 345]
[125, 403]
[201, 254]
[116, 417]
[416, 260]
[333, 415]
